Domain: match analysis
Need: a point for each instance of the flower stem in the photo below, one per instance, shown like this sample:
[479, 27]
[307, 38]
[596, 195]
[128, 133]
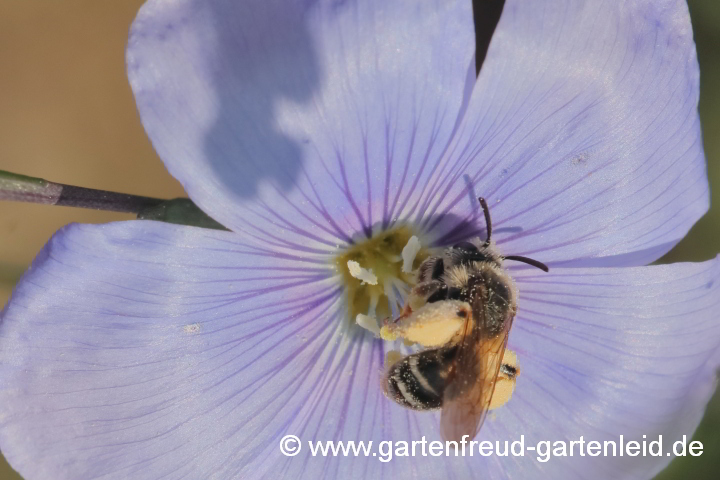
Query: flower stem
[71, 196]
[21, 188]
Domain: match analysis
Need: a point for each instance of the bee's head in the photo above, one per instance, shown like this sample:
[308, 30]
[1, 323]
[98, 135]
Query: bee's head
[467, 253]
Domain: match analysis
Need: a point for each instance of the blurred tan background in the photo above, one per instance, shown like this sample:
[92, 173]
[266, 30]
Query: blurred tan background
[67, 115]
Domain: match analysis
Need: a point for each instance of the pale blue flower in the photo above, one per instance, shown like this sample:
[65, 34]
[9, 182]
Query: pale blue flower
[146, 350]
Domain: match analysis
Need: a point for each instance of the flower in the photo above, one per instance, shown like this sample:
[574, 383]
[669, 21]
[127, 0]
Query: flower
[147, 350]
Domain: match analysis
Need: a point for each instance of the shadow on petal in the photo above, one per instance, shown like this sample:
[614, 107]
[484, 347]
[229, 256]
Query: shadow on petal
[278, 63]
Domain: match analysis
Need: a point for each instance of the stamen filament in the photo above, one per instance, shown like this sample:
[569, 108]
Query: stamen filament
[374, 299]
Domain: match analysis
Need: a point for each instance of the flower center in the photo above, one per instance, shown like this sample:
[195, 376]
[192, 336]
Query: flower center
[378, 273]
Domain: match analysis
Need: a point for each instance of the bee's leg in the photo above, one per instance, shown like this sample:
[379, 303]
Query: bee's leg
[438, 269]
[421, 292]
[431, 269]
[509, 366]
[418, 297]
[505, 384]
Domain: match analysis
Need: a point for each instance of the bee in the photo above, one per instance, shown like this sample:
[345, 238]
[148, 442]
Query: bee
[461, 308]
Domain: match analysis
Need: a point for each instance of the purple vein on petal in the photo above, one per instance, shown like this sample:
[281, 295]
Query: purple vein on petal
[325, 393]
[291, 226]
[448, 184]
[320, 384]
[320, 207]
[311, 362]
[238, 371]
[479, 145]
[437, 122]
[596, 195]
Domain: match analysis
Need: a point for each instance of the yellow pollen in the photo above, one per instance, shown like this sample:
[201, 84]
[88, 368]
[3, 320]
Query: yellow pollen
[504, 386]
[372, 269]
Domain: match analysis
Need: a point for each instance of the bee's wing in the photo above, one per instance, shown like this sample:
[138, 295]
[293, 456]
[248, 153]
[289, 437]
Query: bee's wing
[474, 372]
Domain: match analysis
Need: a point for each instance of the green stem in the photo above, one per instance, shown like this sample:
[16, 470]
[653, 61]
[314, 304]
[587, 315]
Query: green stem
[21, 188]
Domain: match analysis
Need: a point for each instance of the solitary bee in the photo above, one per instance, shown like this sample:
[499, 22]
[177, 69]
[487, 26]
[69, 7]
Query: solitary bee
[461, 309]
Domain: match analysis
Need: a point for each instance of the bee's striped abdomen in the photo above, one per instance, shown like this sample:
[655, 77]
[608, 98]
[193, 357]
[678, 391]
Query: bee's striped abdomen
[418, 381]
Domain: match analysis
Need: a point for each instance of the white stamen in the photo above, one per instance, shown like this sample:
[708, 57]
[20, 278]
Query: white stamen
[361, 273]
[409, 252]
[368, 323]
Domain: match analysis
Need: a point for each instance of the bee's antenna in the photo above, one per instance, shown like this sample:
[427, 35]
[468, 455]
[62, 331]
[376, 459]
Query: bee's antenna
[517, 258]
[529, 261]
[488, 223]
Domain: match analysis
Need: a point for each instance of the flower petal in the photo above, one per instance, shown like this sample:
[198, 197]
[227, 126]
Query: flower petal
[328, 113]
[143, 350]
[147, 350]
[582, 132]
[610, 352]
